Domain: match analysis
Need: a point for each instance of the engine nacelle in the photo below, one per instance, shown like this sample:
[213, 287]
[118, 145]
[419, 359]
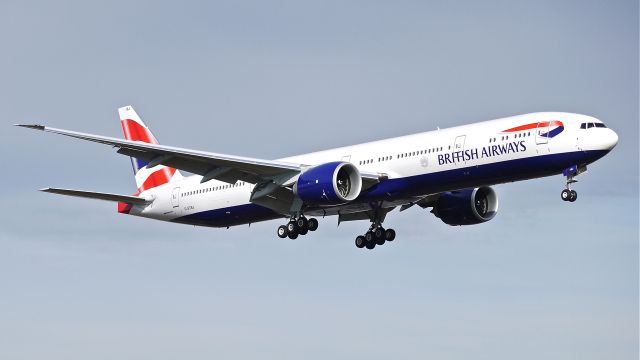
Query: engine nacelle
[467, 207]
[329, 184]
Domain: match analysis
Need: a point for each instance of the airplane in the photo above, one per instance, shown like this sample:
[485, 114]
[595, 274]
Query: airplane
[448, 170]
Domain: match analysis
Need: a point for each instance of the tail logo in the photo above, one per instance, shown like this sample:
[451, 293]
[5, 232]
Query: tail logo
[136, 130]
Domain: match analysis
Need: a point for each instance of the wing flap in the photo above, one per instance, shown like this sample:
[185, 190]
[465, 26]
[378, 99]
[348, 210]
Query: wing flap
[133, 200]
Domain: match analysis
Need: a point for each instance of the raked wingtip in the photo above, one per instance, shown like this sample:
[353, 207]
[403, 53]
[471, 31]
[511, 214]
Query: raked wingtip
[31, 126]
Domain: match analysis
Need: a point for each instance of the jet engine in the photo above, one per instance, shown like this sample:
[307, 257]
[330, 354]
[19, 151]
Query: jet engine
[332, 183]
[467, 207]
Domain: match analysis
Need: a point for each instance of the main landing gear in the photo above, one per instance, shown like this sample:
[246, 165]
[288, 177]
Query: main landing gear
[297, 226]
[377, 235]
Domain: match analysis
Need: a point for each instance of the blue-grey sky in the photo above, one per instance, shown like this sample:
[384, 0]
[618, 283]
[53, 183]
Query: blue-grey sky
[544, 279]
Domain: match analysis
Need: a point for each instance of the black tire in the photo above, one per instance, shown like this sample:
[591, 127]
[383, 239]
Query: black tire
[302, 224]
[574, 196]
[312, 224]
[360, 241]
[369, 237]
[282, 231]
[293, 236]
[378, 235]
[565, 195]
[292, 227]
[389, 234]
[370, 245]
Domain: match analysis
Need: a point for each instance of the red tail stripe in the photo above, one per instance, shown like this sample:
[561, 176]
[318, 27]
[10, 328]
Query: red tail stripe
[135, 132]
[157, 178]
[535, 125]
[124, 208]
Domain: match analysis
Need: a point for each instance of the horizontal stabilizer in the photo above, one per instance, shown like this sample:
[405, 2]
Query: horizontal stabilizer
[133, 200]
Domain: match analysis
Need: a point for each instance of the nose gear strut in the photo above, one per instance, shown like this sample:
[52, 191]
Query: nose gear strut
[570, 173]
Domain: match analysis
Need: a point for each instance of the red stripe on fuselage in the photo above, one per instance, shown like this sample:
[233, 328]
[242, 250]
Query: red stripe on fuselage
[535, 125]
[135, 132]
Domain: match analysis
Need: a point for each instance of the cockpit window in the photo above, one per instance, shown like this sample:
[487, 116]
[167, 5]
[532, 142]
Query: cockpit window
[590, 125]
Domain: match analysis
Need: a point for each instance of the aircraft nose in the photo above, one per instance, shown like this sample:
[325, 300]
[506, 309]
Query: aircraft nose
[609, 139]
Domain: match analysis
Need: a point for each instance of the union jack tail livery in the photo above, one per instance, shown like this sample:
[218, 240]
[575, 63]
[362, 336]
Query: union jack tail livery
[136, 130]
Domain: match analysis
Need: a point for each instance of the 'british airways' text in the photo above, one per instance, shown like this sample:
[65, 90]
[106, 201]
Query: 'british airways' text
[485, 152]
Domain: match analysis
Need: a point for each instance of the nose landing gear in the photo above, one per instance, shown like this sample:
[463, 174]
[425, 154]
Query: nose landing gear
[570, 173]
[569, 195]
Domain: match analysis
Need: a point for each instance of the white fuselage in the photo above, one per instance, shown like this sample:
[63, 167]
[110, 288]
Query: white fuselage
[418, 165]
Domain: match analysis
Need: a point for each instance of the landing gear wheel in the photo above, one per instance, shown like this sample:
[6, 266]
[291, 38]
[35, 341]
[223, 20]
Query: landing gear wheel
[292, 227]
[573, 196]
[389, 234]
[293, 236]
[302, 224]
[370, 245]
[360, 241]
[312, 224]
[565, 195]
[282, 231]
[369, 237]
[378, 234]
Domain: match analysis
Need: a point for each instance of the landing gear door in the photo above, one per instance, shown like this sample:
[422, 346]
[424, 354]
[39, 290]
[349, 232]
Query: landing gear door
[542, 133]
[175, 197]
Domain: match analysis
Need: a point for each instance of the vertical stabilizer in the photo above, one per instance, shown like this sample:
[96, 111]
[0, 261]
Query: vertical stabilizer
[136, 130]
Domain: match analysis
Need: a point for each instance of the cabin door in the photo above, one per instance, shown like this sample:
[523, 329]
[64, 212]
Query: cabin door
[175, 197]
[542, 133]
[458, 145]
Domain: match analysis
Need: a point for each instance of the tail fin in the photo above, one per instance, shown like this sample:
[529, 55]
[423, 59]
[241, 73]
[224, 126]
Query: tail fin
[136, 130]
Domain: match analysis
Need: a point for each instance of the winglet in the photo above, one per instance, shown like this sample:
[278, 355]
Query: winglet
[34, 126]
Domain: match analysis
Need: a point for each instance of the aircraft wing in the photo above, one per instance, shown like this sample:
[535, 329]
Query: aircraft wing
[221, 167]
